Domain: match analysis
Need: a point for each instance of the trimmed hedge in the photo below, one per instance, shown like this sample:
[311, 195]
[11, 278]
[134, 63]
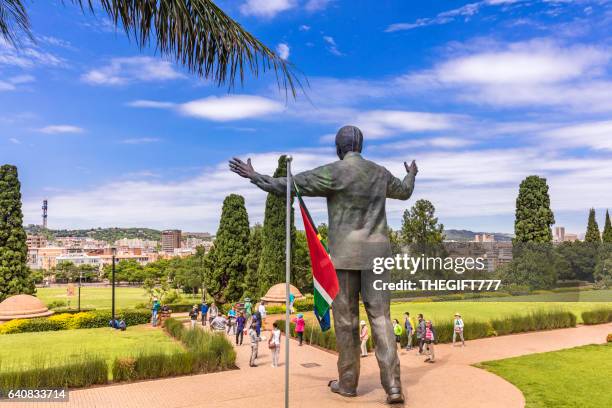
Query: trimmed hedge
[79, 374]
[69, 321]
[206, 352]
[597, 316]
[444, 331]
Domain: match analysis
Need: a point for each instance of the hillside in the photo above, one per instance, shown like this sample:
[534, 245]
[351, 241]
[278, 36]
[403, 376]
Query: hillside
[466, 235]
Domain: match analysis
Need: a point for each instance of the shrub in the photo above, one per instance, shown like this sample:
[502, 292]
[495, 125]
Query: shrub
[56, 304]
[597, 316]
[422, 300]
[82, 320]
[304, 305]
[609, 338]
[276, 309]
[79, 374]
[540, 320]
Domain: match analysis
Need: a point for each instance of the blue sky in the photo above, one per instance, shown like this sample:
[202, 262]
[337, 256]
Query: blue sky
[481, 94]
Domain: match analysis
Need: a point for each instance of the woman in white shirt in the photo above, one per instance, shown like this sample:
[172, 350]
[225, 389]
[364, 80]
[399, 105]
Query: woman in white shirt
[274, 344]
[458, 329]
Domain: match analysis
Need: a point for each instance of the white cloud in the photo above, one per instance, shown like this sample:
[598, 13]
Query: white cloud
[10, 84]
[316, 5]
[14, 140]
[382, 123]
[538, 72]
[140, 140]
[332, 46]
[304, 27]
[470, 183]
[596, 135]
[266, 8]
[282, 50]
[143, 103]
[27, 56]
[121, 71]
[466, 12]
[231, 107]
[54, 129]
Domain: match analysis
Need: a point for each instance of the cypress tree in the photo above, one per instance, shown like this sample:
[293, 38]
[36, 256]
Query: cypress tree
[271, 268]
[607, 232]
[14, 272]
[592, 232]
[534, 217]
[420, 225]
[225, 280]
[251, 280]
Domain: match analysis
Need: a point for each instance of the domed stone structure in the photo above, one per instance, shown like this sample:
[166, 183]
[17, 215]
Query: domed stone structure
[276, 294]
[22, 307]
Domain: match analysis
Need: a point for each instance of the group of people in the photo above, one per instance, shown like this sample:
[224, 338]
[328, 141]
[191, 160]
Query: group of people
[423, 330]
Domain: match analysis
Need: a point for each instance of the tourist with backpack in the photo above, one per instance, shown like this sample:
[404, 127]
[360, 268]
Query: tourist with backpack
[458, 329]
[409, 330]
[430, 339]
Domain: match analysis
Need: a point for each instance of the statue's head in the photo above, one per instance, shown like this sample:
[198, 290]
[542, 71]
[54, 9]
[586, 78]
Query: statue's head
[348, 139]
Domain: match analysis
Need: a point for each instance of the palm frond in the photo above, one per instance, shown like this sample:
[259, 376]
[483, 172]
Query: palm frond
[200, 36]
[13, 17]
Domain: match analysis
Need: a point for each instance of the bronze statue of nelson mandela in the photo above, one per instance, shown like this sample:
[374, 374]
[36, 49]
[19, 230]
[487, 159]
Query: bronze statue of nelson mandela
[356, 190]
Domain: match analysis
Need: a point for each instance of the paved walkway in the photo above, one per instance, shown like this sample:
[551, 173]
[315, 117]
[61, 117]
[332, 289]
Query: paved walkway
[450, 382]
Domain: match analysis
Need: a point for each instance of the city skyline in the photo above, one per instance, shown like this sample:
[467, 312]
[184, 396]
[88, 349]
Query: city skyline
[116, 137]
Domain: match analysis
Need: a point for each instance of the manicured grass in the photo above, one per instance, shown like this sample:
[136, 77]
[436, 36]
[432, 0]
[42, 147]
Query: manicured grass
[24, 349]
[578, 296]
[99, 297]
[484, 311]
[577, 377]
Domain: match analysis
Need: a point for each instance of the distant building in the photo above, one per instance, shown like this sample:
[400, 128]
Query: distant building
[559, 234]
[36, 241]
[484, 238]
[570, 237]
[498, 254]
[79, 259]
[171, 239]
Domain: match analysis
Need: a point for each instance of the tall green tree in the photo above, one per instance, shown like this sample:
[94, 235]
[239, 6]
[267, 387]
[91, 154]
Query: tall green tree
[195, 33]
[14, 271]
[271, 268]
[592, 233]
[534, 218]
[251, 280]
[607, 232]
[420, 225]
[301, 276]
[224, 281]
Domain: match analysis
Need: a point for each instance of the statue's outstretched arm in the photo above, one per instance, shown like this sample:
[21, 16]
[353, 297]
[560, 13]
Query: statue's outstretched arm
[402, 189]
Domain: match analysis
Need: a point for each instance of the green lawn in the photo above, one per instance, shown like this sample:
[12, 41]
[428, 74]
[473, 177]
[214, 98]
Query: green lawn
[577, 377]
[24, 349]
[99, 298]
[482, 311]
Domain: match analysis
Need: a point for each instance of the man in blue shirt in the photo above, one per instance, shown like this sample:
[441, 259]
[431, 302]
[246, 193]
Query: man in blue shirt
[204, 311]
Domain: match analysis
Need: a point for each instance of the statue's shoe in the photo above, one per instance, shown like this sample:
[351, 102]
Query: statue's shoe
[334, 386]
[395, 396]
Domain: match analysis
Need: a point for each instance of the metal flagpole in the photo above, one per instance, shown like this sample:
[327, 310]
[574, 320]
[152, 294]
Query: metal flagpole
[287, 279]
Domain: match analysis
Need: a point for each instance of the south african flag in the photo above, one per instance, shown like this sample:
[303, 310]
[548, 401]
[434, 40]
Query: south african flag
[324, 275]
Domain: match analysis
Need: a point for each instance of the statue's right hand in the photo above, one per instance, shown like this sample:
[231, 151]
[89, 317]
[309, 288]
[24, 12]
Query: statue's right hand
[241, 168]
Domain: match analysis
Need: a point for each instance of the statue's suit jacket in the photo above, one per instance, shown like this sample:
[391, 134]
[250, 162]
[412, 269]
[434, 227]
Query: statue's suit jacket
[356, 191]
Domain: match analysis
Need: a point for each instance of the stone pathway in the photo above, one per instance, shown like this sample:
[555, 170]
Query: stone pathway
[450, 382]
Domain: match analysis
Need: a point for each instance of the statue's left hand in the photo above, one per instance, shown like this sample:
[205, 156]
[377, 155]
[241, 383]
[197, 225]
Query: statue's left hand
[241, 168]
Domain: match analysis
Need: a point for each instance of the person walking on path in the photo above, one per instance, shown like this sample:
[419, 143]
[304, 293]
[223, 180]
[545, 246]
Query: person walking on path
[155, 311]
[193, 315]
[430, 338]
[257, 321]
[420, 333]
[255, 339]
[409, 330]
[204, 312]
[274, 344]
[240, 324]
[291, 300]
[231, 321]
[458, 329]
[363, 337]
[248, 308]
[262, 311]
[300, 324]
[397, 330]
[213, 312]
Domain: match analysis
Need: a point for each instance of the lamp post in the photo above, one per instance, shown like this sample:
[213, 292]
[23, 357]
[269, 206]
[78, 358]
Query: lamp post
[113, 251]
